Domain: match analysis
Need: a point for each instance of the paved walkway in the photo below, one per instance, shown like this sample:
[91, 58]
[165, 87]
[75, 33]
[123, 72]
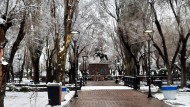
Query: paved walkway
[113, 98]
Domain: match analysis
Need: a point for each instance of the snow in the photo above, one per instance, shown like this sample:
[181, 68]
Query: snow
[153, 88]
[182, 99]
[32, 99]
[4, 62]
[40, 99]
[2, 21]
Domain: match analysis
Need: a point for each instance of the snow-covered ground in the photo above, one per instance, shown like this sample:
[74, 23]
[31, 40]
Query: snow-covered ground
[40, 99]
[32, 99]
[182, 99]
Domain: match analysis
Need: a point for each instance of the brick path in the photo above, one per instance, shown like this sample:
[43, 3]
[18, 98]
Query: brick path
[113, 98]
[102, 83]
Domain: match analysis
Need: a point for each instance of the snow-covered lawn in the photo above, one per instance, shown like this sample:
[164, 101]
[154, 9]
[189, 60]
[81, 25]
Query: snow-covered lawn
[31, 99]
[182, 99]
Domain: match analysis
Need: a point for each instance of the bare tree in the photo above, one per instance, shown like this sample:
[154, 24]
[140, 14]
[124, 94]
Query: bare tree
[20, 36]
[129, 26]
[34, 31]
[70, 7]
[176, 8]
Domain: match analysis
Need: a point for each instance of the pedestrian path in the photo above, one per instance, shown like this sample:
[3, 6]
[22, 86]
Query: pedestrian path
[85, 88]
[125, 97]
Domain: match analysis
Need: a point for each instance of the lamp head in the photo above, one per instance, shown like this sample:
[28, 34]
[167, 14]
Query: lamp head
[85, 58]
[148, 31]
[75, 32]
[75, 35]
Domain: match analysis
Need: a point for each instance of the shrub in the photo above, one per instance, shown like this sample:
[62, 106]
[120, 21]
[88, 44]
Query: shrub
[24, 89]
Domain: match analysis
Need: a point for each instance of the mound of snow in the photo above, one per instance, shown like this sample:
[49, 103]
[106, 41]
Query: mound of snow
[152, 87]
[2, 21]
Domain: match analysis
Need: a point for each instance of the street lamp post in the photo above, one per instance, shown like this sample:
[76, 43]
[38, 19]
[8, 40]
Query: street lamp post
[75, 61]
[149, 78]
[19, 58]
[118, 64]
[84, 70]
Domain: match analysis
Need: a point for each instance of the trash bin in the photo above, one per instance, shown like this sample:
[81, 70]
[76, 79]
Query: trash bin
[54, 93]
[169, 92]
[64, 91]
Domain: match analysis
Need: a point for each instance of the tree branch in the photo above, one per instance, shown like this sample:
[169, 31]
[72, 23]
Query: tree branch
[161, 35]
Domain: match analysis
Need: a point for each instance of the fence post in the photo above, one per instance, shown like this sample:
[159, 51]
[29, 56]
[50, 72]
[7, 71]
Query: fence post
[135, 83]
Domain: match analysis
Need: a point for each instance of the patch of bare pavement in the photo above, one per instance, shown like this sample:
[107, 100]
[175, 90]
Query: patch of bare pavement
[113, 98]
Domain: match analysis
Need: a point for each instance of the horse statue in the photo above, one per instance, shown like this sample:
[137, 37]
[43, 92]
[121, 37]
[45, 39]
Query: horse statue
[102, 56]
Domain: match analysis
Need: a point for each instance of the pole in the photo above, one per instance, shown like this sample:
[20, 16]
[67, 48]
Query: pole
[19, 58]
[149, 89]
[116, 81]
[75, 59]
[83, 73]
[85, 70]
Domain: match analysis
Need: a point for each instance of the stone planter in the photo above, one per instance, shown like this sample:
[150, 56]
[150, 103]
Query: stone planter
[169, 91]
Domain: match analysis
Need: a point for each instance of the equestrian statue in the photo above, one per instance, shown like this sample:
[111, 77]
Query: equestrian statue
[101, 55]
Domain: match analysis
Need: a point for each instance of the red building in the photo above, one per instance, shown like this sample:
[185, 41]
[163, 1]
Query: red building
[98, 71]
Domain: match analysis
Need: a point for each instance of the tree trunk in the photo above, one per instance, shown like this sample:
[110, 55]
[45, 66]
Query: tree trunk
[183, 76]
[3, 86]
[69, 10]
[183, 64]
[169, 78]
[22, 69]
[58, 73]
[12, 74]
[49, 74]
[72, 74]
[130, 67]
[35, 53]
[36, 70]
[138, 68]
[6, 69]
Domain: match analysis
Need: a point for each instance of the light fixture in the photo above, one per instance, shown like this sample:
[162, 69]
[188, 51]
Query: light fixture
[75, 39]
[149, 65]
[75, 32]
[148, 31]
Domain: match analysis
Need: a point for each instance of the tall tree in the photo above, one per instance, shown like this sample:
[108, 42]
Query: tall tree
[70, 7]
[14, 48]
[128, 16]
[176, 8]
[35, 32]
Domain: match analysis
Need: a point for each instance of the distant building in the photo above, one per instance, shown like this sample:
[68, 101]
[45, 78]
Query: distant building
[99, 71]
